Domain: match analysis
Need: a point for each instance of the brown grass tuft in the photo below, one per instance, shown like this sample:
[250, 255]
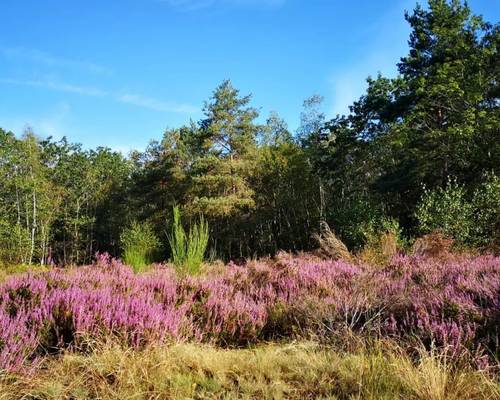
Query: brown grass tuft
[330, 246]
[434, 244]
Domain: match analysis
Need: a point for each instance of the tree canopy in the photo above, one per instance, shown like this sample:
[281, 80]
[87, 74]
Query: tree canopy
[413, 148]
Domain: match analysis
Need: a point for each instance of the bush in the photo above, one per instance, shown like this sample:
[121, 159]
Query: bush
[188, 249]
[474, 222]
[350, 216]
[140, 245]
[434, 244]
[486, 203]
[446, 210]
[383, 239]
[451, 303]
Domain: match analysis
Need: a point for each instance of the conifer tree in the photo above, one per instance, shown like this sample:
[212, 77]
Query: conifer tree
[226, 143]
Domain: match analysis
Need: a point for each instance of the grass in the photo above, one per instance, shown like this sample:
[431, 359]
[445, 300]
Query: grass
[8, 270]
[343, 366]
[136, 259]
[303, 370]
[139, 244]
[188, 249]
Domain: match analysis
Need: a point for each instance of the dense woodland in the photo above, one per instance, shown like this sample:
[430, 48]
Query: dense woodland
[416, 153]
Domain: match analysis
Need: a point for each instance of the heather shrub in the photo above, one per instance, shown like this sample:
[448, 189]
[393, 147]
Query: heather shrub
[188, 249]
[452, 303]
[139, 244]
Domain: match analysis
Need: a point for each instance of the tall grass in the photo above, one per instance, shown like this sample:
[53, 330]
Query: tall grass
[139, 244]
[188, 249]
[301, 370]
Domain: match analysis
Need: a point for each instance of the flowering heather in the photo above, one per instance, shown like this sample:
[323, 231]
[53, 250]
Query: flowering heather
[449, 302]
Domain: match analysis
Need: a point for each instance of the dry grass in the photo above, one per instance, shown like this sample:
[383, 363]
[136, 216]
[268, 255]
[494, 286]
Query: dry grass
[271, 371]
[330, 246]
[380, 251]
[437, 377]
[8, 270]
[434, 244]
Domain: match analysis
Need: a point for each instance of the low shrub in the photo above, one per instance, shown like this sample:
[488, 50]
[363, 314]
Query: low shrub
[486, 202]
[452, 303]
[383, 240]
[471, 219]
[447, 210]
[434, 244]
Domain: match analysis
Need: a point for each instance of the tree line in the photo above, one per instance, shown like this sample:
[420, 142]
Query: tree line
[416, 152]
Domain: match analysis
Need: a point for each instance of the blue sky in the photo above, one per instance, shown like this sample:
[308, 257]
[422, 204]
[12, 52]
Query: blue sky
[118, 72]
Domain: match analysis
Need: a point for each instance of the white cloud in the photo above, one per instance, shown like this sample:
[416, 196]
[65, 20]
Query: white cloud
[127, 98]
[41, 57]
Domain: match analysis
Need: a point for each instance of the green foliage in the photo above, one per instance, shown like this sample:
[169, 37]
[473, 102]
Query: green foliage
[188, 249]
[287, 199]
[58, 202]
[140, 245]
[262, 189]
[14, 240]
[29, 199]
[223, 159]
[353, 216]
[446, 210]
[311, 118]
[374, 229]
[438, 118]
[472, 221]
[486, 203]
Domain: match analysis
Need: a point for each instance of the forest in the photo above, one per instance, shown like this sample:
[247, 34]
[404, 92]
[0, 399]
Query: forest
[416, 152]
[235, 252]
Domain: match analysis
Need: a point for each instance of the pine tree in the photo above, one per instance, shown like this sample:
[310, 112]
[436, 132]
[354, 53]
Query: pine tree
[226, 142]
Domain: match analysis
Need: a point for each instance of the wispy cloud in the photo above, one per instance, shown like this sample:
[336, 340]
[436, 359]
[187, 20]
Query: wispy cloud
[59, 87]
[41, 57]
[126, 98]
[154, 104]
[190, 5]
